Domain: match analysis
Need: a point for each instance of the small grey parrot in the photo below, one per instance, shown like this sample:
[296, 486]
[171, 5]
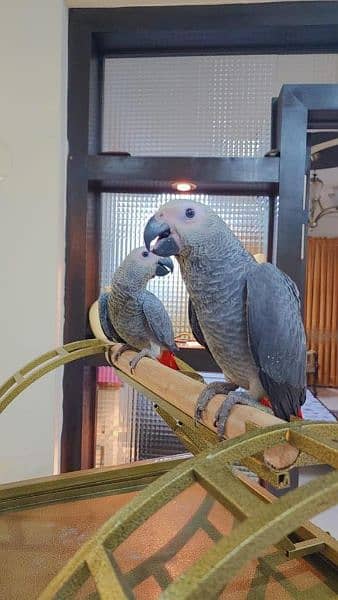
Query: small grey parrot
[132, 315]
[247, 314]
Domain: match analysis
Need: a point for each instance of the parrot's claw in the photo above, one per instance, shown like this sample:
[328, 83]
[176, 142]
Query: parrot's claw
[112, 357]
[134, 362]
[234, 397]
[198, 414]
[211, 390]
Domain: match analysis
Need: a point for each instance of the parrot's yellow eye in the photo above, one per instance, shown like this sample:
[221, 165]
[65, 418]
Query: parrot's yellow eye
[190, 213]
[145, 253]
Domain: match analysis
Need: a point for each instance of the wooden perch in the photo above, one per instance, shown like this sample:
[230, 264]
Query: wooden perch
[182, 392]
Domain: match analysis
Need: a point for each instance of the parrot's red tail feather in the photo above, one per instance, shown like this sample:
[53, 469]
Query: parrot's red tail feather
[266, 402]
[167, 358]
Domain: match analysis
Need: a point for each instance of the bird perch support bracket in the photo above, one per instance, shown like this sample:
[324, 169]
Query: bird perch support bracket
[263, 520]
[260, 523]
[174, 396]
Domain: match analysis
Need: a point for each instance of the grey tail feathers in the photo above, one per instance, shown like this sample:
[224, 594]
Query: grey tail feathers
[285, 399]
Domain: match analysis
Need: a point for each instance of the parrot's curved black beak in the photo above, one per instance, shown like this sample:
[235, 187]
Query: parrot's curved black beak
[165, 245]
[164, 266]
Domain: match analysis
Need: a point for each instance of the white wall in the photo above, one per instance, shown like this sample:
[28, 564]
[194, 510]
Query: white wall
[32, 208]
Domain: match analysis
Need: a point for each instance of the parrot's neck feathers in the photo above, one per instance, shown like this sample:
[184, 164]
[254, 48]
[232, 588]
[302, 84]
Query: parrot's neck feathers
[129, 284]
[218, 244]
[126, 290]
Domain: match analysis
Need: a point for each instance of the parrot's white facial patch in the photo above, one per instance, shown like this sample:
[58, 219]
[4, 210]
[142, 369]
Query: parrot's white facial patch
[183, 213]
[144, 258]
[149, 263]
[175, 225]
[182, 216]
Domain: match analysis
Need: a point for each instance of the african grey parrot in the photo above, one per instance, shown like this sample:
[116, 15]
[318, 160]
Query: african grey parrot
[132, 315]
[248, 313]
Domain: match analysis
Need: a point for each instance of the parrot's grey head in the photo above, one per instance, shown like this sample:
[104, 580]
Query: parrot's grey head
[141, 265]
[179, 225]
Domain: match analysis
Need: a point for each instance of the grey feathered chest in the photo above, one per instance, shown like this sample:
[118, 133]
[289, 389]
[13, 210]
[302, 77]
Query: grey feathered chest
[126, 313]
[216, 283]
[140, 318]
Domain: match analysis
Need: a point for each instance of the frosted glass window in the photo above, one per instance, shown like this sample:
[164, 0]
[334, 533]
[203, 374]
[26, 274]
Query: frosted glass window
[128, 428]
[125, 215]
[200, 105]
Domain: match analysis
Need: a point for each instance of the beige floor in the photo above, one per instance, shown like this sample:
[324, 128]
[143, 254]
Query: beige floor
[327, 520]
[329, 397]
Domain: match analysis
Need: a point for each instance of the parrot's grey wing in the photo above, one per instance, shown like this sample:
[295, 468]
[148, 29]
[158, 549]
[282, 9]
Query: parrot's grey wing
[277, 338]
[106, 324]
[158, 321]
[195, 326]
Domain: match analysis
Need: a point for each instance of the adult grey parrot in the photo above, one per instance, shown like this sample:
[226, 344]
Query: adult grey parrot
[132, 315]
[248, 313]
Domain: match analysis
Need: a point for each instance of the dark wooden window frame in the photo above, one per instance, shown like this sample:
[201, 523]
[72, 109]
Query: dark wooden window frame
[286, 27]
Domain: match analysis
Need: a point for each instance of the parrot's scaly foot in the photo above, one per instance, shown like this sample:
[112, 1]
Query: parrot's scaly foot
[145, 352]
[234, 397]
[112, 357]
[211, 390]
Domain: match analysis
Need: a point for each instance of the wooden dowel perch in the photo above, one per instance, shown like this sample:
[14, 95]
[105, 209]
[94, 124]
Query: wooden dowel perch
[182, 392]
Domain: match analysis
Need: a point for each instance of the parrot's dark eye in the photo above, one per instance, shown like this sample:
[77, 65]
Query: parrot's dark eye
[190, 213]
[145, 253]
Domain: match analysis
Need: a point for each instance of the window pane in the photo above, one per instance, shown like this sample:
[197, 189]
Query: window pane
[128, 428]
[200, 105]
